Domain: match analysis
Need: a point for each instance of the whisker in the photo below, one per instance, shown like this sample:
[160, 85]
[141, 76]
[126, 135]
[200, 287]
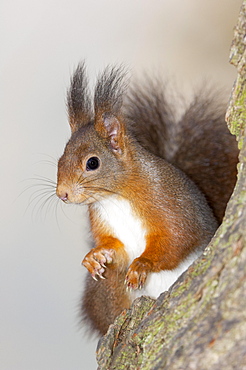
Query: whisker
[44, 182]
[44, 179]
[43, 192]
[34, 186]
[39, 197]
[46, 187]
[87, 180]
[99, 189]
[52, 159]
[49, 162]
[47, 201]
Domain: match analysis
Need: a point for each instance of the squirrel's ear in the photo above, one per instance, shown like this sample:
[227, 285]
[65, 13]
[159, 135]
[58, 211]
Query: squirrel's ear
[110, 127]
[79, 100]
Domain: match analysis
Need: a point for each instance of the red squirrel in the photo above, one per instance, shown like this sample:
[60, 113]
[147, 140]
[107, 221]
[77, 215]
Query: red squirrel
[156, 189]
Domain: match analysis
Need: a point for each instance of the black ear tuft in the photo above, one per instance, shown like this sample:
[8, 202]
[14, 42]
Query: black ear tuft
[108, 97]
[78, 99]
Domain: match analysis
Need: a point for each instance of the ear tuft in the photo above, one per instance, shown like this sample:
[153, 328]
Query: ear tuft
[79, 100]
[109, 91]
[108, 100]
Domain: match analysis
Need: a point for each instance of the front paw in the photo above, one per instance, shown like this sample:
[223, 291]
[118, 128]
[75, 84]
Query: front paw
[95, 261]
[137, 273]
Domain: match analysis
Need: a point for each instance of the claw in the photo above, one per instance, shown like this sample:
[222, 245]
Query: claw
[128, 289]
[94, 277]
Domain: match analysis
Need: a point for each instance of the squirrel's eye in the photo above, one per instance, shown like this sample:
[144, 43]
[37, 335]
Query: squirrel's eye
[92, 164]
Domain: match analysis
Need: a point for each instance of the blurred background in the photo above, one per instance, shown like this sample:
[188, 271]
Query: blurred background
[42, 240]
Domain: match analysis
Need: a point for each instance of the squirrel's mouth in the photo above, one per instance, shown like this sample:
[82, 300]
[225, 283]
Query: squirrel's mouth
[74, 195]
[85, 201]
[70, 193]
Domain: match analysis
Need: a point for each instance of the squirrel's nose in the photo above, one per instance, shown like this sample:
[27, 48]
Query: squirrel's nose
[62, 193]
[64, 197]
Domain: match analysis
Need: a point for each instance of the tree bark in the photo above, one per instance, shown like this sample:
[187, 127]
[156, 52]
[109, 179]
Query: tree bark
[200, 323]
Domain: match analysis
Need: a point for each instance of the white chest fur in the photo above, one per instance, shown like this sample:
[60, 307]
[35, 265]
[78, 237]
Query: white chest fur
[158, 282]
[117, 214]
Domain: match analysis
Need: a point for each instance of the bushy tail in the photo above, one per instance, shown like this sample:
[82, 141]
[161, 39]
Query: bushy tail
[199, 143]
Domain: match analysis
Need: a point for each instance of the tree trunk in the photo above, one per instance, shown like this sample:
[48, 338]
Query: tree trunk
[200, 323]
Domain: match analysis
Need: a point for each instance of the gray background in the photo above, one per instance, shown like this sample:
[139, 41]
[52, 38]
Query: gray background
[42, 244]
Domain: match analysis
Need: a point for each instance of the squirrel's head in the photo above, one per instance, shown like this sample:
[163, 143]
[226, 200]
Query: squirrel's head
[92, 164]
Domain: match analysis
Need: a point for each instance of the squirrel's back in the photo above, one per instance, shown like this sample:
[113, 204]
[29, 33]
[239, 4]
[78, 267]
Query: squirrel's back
[199, 143]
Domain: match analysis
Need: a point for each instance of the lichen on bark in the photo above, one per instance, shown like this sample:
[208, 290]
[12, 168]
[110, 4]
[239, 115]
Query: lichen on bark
[200, 323]
[236, 113]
